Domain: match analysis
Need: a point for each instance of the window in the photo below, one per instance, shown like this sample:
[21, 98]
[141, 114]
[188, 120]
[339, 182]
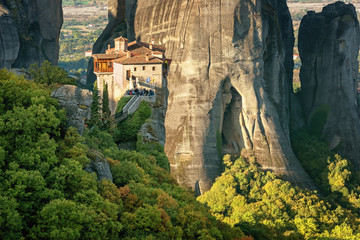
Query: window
[143, 68]
[109, 64]
[135, 69]
[97, 64]
[154, 68]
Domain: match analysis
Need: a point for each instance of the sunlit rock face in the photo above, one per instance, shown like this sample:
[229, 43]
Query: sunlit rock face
[229, 83]
[329, 46]
[29, 32]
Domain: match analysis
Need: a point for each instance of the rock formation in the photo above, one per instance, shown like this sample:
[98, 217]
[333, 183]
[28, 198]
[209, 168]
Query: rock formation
[329, 46]
[76, 102]
[98, 165]
[29, 32]
[229, 82]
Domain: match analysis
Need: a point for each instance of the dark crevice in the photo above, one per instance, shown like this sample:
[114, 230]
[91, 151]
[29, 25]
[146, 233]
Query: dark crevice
[231, 135]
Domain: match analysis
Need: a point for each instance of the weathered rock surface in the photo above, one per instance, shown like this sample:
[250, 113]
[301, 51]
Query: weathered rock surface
[29, 32]
[9, 39]
[153, 130]
[229, 82]
[76, 102]
[329, 46]
[99, 165]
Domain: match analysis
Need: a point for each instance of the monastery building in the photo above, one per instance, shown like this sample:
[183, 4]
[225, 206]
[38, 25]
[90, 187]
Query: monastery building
[128, 66]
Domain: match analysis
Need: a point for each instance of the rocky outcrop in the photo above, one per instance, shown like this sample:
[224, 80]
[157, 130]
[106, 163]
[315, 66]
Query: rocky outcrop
[99, 165]
[29, 32]
[329, 46]
[76, 102]
[229, 83]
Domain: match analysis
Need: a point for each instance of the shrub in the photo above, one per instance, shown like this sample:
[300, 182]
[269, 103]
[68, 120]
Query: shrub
[49, 74]
[128, 129]
[121, 104]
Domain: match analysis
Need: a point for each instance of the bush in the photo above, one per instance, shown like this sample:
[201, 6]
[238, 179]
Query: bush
[127, 130]
[125, 171]
[153, 149]
[49, 74]
[121, 104]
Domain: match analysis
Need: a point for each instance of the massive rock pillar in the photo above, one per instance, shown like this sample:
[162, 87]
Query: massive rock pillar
[329, 46]
[29, 32]
[228, 85]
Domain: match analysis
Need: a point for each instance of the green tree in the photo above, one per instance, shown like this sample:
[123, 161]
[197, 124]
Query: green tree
[106, 108]
[49, 74]
[95, 107]
[10, 219]
[127, 130]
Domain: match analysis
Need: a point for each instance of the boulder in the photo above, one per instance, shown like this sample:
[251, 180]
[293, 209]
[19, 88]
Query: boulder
[99, 165]
[76, 102]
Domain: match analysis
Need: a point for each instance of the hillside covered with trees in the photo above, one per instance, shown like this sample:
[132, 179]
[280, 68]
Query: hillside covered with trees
[47, 194]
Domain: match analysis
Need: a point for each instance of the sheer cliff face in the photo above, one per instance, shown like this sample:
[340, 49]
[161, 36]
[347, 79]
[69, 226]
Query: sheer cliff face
[29, 32]
[228, 84]
[328, 46]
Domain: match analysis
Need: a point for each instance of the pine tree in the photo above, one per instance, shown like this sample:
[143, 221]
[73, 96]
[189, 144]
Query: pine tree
[105, 107]
[95, 107]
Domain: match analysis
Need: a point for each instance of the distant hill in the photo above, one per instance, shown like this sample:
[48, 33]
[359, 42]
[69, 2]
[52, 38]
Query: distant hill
[84, 3]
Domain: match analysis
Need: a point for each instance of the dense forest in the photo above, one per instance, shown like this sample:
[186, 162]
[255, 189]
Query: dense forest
[47, 194]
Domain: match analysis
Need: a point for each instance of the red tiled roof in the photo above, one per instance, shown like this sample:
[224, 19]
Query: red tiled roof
[120, 39]
[141, 51]
[138, 60]
[135, 45]
[108, 56]
[138, 50]
[111, 50]
[131, 43]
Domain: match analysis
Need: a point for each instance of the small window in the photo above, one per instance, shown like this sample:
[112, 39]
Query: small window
[154, 68]
[134, 69]
[109, 64]
[143, 68]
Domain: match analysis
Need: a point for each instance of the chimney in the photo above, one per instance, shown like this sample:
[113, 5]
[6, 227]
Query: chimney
[128, 54]
[151, 44]
[147, 57]
[109, 47]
